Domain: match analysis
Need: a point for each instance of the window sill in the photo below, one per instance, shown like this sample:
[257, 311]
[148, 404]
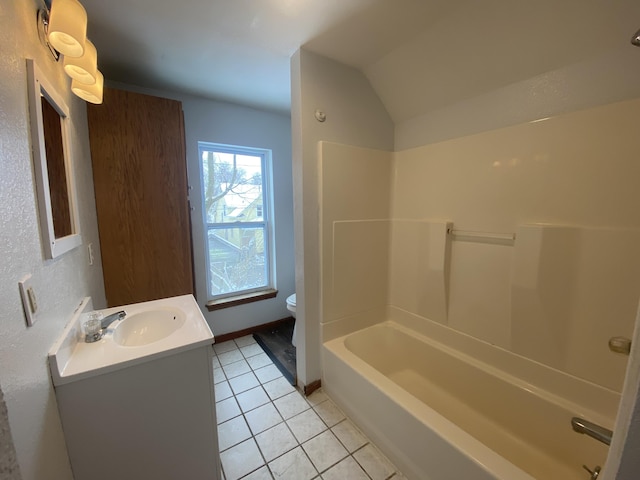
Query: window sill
[241, 299]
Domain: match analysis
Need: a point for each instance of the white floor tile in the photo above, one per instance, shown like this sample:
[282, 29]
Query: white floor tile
[276, 441]
[291, 405]
[329, 412]
[297, 437]
[252, 399]
[227, 409]
[306, 425]
[374, 463]
[243, 383]
[349, 435]
[251, 350]
[241, 459]
[236, 369]
[229, 357]
[260, 474]
[263, 418]
[346, 469]
[293, 466]
[218, 375]
[244, 341]
[324, 450]
[224, 347]
[222, 390]
[259, 361]
[268, 373]
[278, 388]
[232, 432]
[317, 397]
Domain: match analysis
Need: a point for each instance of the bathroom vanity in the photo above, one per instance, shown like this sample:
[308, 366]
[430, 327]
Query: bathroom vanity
[139, 403]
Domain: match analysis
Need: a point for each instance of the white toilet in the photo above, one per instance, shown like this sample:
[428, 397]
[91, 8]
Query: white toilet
[291, 306]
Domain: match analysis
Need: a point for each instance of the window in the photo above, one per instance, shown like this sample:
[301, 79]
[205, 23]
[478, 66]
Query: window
[236, 206]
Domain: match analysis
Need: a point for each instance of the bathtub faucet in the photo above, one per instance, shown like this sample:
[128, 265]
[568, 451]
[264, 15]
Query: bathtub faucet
[595, 473]
[601, 434]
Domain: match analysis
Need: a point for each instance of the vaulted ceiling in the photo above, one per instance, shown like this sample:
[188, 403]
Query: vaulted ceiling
[419, 55]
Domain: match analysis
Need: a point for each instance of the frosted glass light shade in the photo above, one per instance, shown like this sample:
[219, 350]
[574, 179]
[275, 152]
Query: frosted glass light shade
[89, 93]
[84, 68]
[68, 27]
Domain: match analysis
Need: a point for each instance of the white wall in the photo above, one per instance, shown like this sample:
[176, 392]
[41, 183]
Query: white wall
[230, 124]
[8, 461]
[609, 77]
[355, 116]
[59, 284]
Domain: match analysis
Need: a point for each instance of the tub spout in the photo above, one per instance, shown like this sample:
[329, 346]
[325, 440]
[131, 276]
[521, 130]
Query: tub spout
[601, 434]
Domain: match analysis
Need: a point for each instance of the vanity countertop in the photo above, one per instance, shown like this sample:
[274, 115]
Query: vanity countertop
[72, 359]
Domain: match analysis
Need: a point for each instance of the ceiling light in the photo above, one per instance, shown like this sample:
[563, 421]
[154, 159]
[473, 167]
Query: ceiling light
[68, 27]
[90, 93]
[84, 68]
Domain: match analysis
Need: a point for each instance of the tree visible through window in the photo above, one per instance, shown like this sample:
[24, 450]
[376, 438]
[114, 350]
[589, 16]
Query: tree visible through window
[234, 183]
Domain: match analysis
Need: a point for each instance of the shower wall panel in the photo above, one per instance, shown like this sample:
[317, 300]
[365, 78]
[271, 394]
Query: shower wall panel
[561, 290]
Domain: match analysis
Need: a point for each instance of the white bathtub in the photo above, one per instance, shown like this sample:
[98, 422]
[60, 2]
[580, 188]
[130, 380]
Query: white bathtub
[440, 414]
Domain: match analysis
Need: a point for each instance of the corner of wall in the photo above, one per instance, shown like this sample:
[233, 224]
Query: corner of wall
[356, 116]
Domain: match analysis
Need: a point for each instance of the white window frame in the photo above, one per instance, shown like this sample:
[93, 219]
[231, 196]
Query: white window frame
[266, 223]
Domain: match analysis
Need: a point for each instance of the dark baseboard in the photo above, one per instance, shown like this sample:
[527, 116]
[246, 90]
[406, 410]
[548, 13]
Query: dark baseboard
[312, 387]
[248, 331]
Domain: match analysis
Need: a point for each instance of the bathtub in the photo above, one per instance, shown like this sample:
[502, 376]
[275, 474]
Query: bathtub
[440, 414]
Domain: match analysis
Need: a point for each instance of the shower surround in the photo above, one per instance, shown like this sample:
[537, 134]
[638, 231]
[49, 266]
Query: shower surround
[524, 239]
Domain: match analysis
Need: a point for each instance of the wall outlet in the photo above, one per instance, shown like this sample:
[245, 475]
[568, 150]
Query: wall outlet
[29, 300]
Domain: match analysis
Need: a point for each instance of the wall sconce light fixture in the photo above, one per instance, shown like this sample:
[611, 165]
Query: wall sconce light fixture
[68, 27]
[63, 29]
[84, 68]
[89, 93]
[635, 40]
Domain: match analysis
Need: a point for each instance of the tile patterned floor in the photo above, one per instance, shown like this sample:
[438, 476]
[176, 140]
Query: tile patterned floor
[267, 430]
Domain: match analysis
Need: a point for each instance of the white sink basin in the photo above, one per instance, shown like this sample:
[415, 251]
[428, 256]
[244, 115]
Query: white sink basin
[150, 330]
[147, 326]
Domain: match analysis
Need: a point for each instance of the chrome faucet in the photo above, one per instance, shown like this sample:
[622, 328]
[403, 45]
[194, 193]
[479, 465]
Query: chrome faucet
[109, 319]
[95, 335]
[601, 434]
[595, 473]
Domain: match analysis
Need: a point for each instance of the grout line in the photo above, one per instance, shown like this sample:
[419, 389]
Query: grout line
[284, 421]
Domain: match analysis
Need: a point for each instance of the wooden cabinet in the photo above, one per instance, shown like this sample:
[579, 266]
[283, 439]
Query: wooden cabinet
[140, 178]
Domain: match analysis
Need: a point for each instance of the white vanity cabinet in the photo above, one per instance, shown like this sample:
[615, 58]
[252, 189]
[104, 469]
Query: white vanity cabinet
[151, 417]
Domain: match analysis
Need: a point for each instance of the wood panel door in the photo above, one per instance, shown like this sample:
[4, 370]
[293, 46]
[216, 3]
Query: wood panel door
[140, 178]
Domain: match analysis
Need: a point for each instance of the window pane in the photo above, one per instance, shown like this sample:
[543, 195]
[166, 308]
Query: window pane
[232, 187]
[237, 259]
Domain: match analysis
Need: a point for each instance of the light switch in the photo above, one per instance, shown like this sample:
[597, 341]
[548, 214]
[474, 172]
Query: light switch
[29, 300]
